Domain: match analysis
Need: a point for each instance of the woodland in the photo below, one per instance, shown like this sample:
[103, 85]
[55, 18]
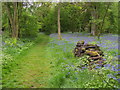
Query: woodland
[52, 45]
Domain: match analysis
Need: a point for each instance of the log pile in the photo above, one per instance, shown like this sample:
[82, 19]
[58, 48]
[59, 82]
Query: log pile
[93, 51]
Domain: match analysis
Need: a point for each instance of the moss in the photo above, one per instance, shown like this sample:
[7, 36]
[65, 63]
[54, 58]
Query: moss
[92, 53]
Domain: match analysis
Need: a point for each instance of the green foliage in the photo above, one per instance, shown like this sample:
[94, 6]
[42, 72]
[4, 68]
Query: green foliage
[13, 60]
[11, 52]
[68, 74]
[50, 22]
[5, 23]
[74, 17]
[28, 25]
[66, 71]
[113, 17]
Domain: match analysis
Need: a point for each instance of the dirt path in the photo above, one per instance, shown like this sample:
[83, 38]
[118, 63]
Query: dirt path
[34, 69]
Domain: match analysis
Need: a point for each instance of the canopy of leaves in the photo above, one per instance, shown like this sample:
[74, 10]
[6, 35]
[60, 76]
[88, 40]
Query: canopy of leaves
[74, 17]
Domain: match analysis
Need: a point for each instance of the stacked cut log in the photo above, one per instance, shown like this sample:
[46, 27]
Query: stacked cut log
[93, 51]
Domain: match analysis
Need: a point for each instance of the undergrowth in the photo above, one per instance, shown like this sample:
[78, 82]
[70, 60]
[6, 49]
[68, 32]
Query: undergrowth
[11, 53]
[67, 73]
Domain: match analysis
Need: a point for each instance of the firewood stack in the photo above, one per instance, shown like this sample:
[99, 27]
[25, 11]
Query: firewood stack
[93, 51]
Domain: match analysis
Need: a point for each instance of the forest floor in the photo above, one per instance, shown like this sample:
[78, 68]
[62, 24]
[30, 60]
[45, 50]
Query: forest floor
[33, 69]
[50, 63]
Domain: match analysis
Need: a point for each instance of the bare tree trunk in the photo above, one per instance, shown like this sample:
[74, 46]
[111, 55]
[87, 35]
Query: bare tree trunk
[93, 24]
[13, 19]
[59, 31]
[15, 31]
[20, 5]
[10, 17]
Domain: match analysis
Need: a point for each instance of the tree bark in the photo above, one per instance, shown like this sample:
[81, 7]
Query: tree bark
[59, 30]
[93, 25]
[13, 19]
[20, 5]
[15, 31]
[9, 16]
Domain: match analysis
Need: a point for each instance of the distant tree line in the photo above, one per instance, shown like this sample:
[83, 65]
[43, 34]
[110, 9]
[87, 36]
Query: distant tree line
[26, 19]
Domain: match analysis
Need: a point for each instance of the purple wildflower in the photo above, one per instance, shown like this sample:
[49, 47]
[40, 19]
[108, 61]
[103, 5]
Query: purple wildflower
[118, 80]
[72, 65]
[109, 75]
[114, 69]
[97, 67]
[107, 65]
[83, 67]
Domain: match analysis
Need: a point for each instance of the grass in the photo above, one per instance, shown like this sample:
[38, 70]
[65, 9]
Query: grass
[32, 68]
[67, 73]
[51, 63]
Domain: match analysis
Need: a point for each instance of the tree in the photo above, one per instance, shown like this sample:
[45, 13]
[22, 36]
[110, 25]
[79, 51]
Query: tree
[59, 30]
[103, 20]
[49, 17]
[94, 17]
[12, 10]
[0, 18]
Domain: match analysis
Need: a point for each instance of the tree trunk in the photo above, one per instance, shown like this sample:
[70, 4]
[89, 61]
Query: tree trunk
[93, 25]
[9, 16]
[20, 5]
[59, 31]
[15, 31]
[13, 19]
